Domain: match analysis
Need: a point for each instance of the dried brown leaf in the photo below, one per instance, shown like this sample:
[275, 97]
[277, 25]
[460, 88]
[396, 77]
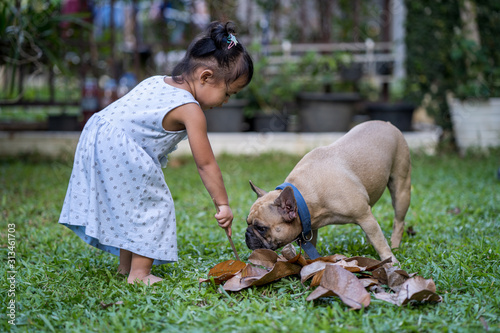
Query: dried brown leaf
[368, 282]
[333, 258]
[380, 274]
[346, 286]
[388, 297]
[263, 257]
[289, 251]
[245, 278]
[312, 269]
[369, 263]
[351, 266]
[298, 259]
[316, 280]
[257, 278]
[319, 292]
[236, 283]
[418, 289]
[413, 289]
[227, 267]
[395, 278]
[224, 271]
[253, 271]
[281, 258]
[402, 272]
[377, 288]
[280, 270]
[386, 263]
[391, 276]
[364, 261]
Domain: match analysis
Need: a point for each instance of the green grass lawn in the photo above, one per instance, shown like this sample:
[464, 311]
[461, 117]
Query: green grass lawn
[60, 282]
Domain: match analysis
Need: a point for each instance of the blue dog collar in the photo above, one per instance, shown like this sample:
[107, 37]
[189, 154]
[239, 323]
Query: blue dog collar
[304, 215]
[305, 220]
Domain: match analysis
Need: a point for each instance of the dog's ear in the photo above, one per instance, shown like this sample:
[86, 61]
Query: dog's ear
[287, 205]
[260, 192]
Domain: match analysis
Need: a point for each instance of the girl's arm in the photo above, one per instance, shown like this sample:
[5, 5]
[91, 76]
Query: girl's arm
[193, 119]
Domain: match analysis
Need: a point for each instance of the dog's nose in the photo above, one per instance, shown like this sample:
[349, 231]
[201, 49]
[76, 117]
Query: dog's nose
[252, 241]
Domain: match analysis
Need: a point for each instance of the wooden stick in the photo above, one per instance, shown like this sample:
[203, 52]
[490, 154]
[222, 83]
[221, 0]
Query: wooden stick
[227, 234]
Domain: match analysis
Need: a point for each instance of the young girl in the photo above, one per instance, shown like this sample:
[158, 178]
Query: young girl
[117, 198]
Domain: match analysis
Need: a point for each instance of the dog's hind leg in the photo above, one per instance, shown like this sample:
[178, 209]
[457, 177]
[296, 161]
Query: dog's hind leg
[400, 188]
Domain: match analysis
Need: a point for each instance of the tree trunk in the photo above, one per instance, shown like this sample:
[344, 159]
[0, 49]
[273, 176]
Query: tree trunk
[469, 21]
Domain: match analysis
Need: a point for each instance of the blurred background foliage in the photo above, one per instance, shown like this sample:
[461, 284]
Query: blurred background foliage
[63, 42]
[442, 59]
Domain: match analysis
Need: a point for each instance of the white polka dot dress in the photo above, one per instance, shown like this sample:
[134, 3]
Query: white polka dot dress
[117, 196]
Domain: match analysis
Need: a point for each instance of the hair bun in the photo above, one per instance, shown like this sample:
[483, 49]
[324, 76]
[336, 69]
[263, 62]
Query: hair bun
[219, 33]
[217, 43]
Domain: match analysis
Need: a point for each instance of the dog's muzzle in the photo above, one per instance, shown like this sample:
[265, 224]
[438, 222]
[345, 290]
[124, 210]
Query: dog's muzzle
[255, 240]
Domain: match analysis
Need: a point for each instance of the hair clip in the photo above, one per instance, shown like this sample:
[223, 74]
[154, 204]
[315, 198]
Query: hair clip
[232, 41]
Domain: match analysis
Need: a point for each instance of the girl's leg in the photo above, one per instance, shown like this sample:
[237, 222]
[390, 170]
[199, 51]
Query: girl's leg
[125, 262]
[140, 269]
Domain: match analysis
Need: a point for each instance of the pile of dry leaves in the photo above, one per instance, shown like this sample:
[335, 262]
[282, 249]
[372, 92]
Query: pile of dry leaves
[335, 275]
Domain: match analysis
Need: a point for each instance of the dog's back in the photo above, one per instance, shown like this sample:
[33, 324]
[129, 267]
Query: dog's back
[371, 153]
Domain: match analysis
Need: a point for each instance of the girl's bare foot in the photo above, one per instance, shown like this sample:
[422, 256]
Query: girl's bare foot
[148, 279]
[140, 270]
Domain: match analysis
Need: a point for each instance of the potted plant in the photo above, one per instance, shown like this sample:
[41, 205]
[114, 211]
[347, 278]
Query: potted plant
[394, 108]
[452, 67]
[227, 118]
[326, 103]
[271, 94]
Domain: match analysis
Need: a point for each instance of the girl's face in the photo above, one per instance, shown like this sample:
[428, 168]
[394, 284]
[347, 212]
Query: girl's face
[211, 94]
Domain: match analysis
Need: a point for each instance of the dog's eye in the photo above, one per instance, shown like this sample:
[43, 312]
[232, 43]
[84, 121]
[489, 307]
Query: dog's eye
[260, 228]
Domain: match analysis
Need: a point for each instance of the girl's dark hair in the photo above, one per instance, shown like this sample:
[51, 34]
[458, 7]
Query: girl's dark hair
[210, 49]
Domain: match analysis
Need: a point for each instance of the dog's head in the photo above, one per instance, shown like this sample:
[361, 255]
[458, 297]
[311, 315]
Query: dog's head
[273, 219]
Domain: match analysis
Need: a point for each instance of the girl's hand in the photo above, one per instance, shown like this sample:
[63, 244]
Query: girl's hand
[225, 218]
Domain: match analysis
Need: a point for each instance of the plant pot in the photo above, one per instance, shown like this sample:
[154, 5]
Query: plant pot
[15, 126]
[63, 122]
[476, 124]
[320, 112]
[227, 118]
[352, 72]
[274, 122]
[398, 114]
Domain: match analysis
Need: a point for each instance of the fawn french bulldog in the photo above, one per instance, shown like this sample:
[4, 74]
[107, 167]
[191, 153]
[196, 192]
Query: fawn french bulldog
[339, 183]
